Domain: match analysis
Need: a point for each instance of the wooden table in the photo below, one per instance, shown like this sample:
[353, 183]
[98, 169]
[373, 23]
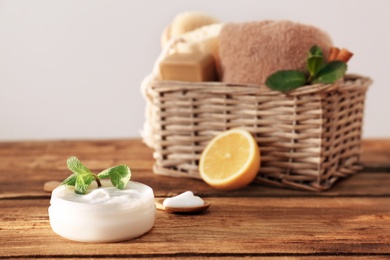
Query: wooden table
[350, 220]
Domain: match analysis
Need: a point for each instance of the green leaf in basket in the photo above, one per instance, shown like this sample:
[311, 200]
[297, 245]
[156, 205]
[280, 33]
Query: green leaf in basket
[286, 80]
[119, 175]
[330, 72]
[315, 50]
[315, 60]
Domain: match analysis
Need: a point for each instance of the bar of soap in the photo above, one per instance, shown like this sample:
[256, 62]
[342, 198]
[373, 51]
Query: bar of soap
[191, 66]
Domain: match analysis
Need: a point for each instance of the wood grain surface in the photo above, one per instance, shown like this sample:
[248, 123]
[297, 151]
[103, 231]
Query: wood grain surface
[352, 220]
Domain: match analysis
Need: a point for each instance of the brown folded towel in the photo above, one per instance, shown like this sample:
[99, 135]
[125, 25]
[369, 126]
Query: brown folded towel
[250, 52]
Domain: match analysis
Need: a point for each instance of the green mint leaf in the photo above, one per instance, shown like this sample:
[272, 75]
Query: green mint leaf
[71, 180]
[330, 72]
[315, 51]
[82, 182]
[315, 60]
[119, 175]
[76, 166]
[82, 177]
[314, 64]
[286, 80]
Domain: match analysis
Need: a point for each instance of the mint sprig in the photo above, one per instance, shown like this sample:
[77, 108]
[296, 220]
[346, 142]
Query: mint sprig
[82, 177]
[318, 71]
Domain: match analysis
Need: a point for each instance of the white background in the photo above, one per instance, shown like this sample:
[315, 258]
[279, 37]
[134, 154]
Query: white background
[72, 69]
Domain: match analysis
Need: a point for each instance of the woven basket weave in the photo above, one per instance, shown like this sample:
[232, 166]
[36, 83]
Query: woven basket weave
[308, 138]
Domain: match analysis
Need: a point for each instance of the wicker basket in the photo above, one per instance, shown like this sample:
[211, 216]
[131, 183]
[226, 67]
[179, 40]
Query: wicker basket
[308, 137]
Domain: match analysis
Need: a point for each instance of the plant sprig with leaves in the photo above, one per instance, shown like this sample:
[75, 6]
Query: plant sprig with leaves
[82, 177]
[318, 72]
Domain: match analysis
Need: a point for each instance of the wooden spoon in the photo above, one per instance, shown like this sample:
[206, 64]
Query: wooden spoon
[196, 209]
[49, 186]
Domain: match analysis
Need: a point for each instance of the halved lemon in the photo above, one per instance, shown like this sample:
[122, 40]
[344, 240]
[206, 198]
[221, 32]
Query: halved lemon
[231, 160]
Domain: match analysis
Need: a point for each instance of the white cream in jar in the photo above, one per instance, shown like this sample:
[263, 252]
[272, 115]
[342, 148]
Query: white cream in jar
[104, 214]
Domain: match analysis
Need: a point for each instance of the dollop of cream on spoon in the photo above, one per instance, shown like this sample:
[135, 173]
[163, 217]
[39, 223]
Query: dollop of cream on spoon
[184, 200]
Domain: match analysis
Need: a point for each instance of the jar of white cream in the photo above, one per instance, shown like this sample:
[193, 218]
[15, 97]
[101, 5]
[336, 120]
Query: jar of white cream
[104, 214]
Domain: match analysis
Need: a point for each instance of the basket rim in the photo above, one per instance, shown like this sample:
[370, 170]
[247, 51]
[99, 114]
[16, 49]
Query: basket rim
[360, 81]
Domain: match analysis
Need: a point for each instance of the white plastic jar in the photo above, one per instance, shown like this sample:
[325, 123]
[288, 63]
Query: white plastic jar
[104, 214]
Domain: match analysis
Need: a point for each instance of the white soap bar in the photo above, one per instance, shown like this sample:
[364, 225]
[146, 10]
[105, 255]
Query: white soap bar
[184, 200]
